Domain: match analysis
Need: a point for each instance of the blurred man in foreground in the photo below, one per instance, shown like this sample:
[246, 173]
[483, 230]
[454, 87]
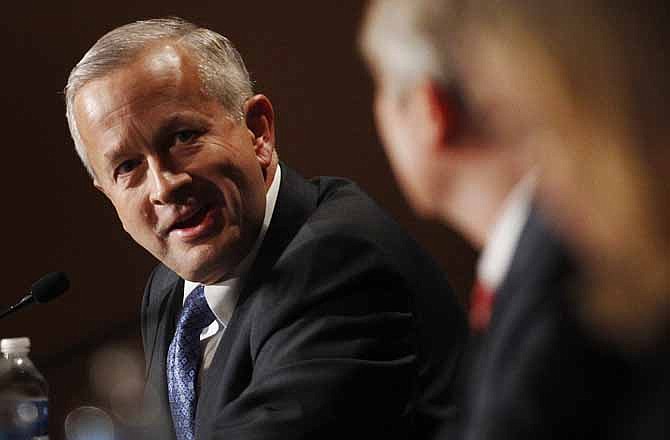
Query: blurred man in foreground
[282, 308]
[452, 142]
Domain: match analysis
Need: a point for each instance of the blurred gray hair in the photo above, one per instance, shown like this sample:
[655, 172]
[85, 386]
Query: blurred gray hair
[222, 71]
[412, 38]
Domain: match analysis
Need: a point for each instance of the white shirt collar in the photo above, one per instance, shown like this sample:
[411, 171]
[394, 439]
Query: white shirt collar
[222, 295]
[499, 249]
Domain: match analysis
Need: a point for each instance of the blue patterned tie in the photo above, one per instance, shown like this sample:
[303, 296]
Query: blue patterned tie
[183, 362]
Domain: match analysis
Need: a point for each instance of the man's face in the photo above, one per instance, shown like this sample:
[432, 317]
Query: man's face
[186, 179]
[445, 173]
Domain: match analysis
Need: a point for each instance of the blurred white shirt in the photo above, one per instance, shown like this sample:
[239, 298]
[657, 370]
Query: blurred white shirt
[499, 250]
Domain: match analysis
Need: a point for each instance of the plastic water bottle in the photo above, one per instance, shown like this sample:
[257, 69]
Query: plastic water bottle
[23, 394]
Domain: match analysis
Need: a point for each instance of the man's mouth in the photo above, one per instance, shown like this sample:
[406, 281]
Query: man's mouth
[192, 220]
[194, 225]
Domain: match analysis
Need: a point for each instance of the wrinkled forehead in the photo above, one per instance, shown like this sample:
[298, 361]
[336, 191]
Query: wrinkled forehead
[157, 74]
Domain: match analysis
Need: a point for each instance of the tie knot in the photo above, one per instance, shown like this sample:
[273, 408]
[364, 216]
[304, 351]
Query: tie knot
[196, 313]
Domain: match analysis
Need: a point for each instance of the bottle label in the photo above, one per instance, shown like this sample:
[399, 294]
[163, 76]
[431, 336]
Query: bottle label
[24, 419]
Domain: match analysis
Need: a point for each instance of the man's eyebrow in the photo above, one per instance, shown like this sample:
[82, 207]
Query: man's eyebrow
[112, 154]
[167, 127]
[182, 118]
[164, 130]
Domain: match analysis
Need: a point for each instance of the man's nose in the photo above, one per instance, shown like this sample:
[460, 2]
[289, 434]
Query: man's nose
[168, 185]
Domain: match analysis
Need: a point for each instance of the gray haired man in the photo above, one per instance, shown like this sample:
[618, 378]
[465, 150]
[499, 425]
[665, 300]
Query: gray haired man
[282, 308]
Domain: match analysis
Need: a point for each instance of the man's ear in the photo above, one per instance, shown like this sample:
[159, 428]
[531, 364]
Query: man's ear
[444, 110]
[260, 120]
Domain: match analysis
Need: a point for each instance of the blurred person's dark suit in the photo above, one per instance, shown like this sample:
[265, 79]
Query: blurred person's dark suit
[536, 373]
[511, 353]
[642, 410]
[342, 321]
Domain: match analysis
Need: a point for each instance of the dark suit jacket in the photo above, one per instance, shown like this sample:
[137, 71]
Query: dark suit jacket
[335, 333]
[539, 374]
[529, 377]
[642, 410]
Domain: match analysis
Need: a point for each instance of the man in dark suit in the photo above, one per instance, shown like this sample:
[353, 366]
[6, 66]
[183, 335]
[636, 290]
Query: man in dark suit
[282, 308]
[460, 157]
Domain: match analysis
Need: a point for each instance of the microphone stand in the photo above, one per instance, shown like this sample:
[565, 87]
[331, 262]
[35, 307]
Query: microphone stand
[26, 300]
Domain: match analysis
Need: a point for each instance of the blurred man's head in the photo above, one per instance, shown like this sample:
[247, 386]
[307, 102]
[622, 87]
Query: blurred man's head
[590, 78]
[430, 123]
[163, 117]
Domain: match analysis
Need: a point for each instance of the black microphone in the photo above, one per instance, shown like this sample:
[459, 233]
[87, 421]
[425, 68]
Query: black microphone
[50, 286]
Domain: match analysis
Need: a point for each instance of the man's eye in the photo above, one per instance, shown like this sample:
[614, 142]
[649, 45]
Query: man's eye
[126, 167]
[185, 136]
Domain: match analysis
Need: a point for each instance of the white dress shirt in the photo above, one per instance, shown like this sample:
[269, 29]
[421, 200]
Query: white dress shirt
[499, 250]
[222, 295]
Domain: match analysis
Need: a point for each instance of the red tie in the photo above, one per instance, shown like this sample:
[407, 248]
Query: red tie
[481, 305]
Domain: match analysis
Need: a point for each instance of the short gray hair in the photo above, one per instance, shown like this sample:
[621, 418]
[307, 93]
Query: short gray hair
[413, 38]
[221, 69]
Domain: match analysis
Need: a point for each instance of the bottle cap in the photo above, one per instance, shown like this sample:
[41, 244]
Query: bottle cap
[15, 345]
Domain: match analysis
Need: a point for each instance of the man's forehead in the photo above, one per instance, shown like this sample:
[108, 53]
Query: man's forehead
[160, 71]
[164, 59]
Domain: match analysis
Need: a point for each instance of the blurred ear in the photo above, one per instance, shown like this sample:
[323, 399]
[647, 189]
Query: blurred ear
[260, 120]
[443, 112]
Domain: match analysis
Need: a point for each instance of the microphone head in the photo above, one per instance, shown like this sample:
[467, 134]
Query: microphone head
[50, 286]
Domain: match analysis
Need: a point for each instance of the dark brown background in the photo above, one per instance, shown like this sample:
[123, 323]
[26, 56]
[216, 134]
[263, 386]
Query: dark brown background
[302, 54]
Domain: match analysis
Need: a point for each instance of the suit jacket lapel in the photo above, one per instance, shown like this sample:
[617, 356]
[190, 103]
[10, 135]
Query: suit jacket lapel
[538, 258]
[168, 305]
[296, 201]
